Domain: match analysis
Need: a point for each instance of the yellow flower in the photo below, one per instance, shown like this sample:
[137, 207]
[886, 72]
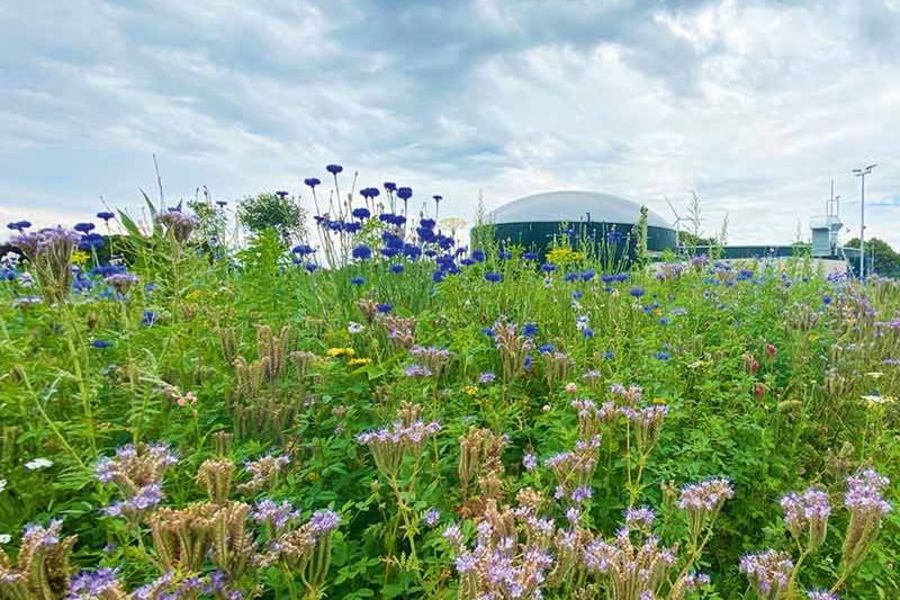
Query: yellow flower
[358, 362]
[336, 352]
[563, 255]
[471, 390]
[659, 400]
[80, 258]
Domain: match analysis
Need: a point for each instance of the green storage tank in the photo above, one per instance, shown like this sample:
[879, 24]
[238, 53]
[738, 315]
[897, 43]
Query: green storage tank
[601, 219]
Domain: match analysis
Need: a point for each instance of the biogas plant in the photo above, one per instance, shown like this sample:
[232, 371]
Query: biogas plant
[611, 226]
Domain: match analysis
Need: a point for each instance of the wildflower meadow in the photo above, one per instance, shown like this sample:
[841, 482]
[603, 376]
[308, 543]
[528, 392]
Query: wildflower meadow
[381, 407]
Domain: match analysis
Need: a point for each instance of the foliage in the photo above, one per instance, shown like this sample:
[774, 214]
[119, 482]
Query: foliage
[886, 259]
[279, 212]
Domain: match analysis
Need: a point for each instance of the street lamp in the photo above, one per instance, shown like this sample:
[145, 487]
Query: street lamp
[861, 173]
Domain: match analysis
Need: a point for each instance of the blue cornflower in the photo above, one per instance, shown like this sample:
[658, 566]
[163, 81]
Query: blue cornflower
[637, 292]
[390, 186]
[148, 319]
[391, 240]
[362, 252]
[662, 355]
[282, 194]
[358, 280]
[427, 223]
[18, 225]
[529, 330]
[390, 252]
[547, 348]
[587, 332]
[486, 378]
[571, 277]
[664, 321]
[609, 355]
[577, 295]
[397, 268]
[100, 344]
[588, 275]
[311, 267]
[404, 193]
[303, 249]
[312, 182]
[334, 169]
[487, 331]
[412, 252]
[84, 227]
[493, 277]
[437, 276]
[437, 198]
[527, 363]
[466, 262]
[425, 234]
[383, 308]
[369, 193]
[826, 299]
[106, 215]
[548, 267]
[529, 256]
[361, 213]
[614, 236]
[91, 241]
[478, 255]
[445, 241]
[351, 227]
[504, 255]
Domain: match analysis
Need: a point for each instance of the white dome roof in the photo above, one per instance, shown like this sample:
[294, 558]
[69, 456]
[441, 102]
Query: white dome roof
[573, 207]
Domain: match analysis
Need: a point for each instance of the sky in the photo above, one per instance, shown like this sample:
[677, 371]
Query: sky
[754, 105]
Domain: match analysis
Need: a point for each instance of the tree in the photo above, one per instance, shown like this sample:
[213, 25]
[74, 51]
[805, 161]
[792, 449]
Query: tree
[886, 261]
[277, 211]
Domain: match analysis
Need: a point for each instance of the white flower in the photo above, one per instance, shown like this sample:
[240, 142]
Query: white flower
[354, 327]
[38, 463]
[878, 399]
[2, 484]
[5, 538]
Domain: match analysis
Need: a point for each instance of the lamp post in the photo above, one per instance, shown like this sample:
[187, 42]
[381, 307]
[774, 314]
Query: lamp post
[861, 173]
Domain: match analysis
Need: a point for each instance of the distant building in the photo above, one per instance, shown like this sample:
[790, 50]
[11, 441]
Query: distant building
[602, 219]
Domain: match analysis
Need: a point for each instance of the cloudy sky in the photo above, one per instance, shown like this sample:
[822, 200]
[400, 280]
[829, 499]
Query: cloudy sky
[756, 105]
